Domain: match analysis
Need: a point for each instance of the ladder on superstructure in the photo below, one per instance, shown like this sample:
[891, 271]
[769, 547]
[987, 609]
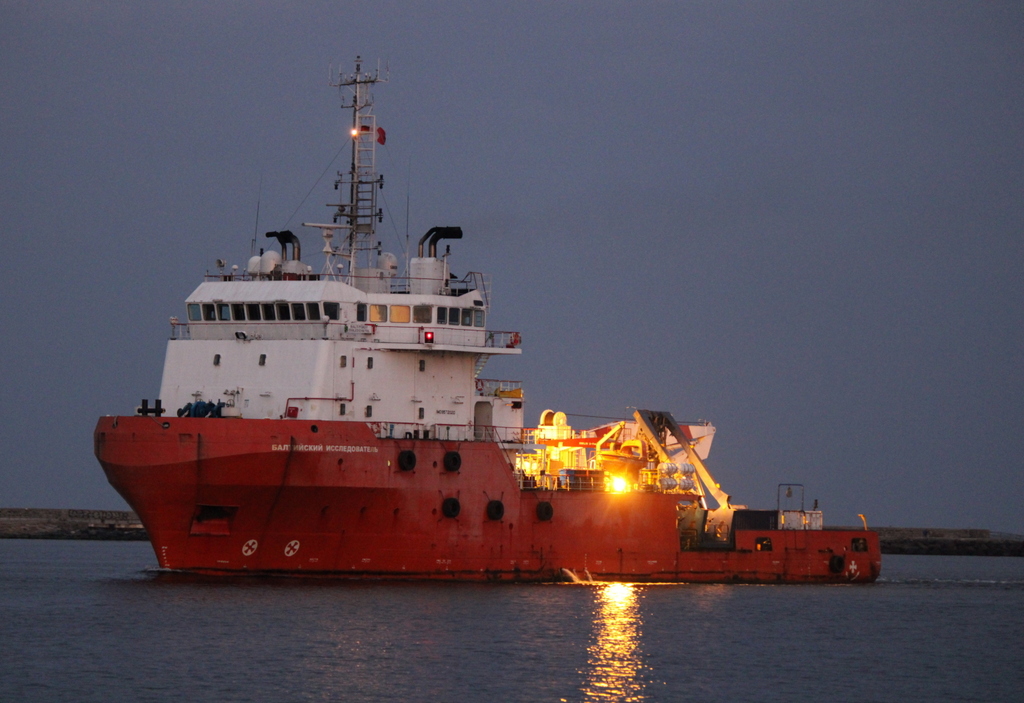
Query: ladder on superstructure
[361, 180]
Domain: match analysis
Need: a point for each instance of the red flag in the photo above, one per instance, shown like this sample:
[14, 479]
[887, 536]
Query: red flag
[381, 135]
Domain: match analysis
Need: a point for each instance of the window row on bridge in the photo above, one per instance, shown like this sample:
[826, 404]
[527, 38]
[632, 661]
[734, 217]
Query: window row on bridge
[420, 314]
[302, 312]
[260, 312]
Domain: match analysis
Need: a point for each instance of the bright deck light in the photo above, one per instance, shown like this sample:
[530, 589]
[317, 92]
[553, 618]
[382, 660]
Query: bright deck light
[619, 484]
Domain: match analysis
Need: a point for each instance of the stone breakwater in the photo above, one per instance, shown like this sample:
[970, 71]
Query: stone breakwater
[42, 523]
[942, 541]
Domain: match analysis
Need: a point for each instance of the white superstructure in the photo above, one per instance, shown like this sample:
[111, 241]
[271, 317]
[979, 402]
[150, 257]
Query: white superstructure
[355, 341]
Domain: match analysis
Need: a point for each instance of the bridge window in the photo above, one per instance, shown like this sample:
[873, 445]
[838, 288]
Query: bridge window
[238, 311]
[453, 316]
[194, 315]
[209, 312]
[254, 310]
[268, 312]
[478, 318]
[298, 311]
[224, 311]
[422, 314]
[283, 312]
[442, 316]
[332, 311]
[313, 311]
[378, 313]
[361, 312]
[399, 313]
[467, 317]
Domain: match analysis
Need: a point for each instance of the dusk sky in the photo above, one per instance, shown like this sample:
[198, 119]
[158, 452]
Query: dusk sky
[803, 222]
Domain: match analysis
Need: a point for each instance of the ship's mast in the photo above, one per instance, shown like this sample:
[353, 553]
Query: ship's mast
[359, 210]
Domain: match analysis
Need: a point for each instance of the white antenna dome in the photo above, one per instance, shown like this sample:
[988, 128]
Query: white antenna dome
[269, 261]
[253, 267]
[389, 262]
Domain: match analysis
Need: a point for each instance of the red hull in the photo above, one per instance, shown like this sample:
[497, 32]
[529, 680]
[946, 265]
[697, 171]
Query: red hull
[329, 499]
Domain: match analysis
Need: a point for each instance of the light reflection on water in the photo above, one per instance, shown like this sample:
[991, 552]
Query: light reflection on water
[84, 622]
[614, 659]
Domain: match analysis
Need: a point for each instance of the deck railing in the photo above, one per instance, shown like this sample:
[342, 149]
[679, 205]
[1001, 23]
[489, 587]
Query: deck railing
[449, 432]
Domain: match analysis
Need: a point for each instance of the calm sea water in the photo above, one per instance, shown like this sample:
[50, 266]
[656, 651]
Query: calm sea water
[92, 621]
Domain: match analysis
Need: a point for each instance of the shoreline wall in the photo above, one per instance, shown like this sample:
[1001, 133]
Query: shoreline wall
[44, 523]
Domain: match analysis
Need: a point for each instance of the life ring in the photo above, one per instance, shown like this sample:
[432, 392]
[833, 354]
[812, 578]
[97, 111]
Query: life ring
[407, 460]
[451, 507]
[452, 461]
[544, 511]
[495, 510]
[836, 563]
